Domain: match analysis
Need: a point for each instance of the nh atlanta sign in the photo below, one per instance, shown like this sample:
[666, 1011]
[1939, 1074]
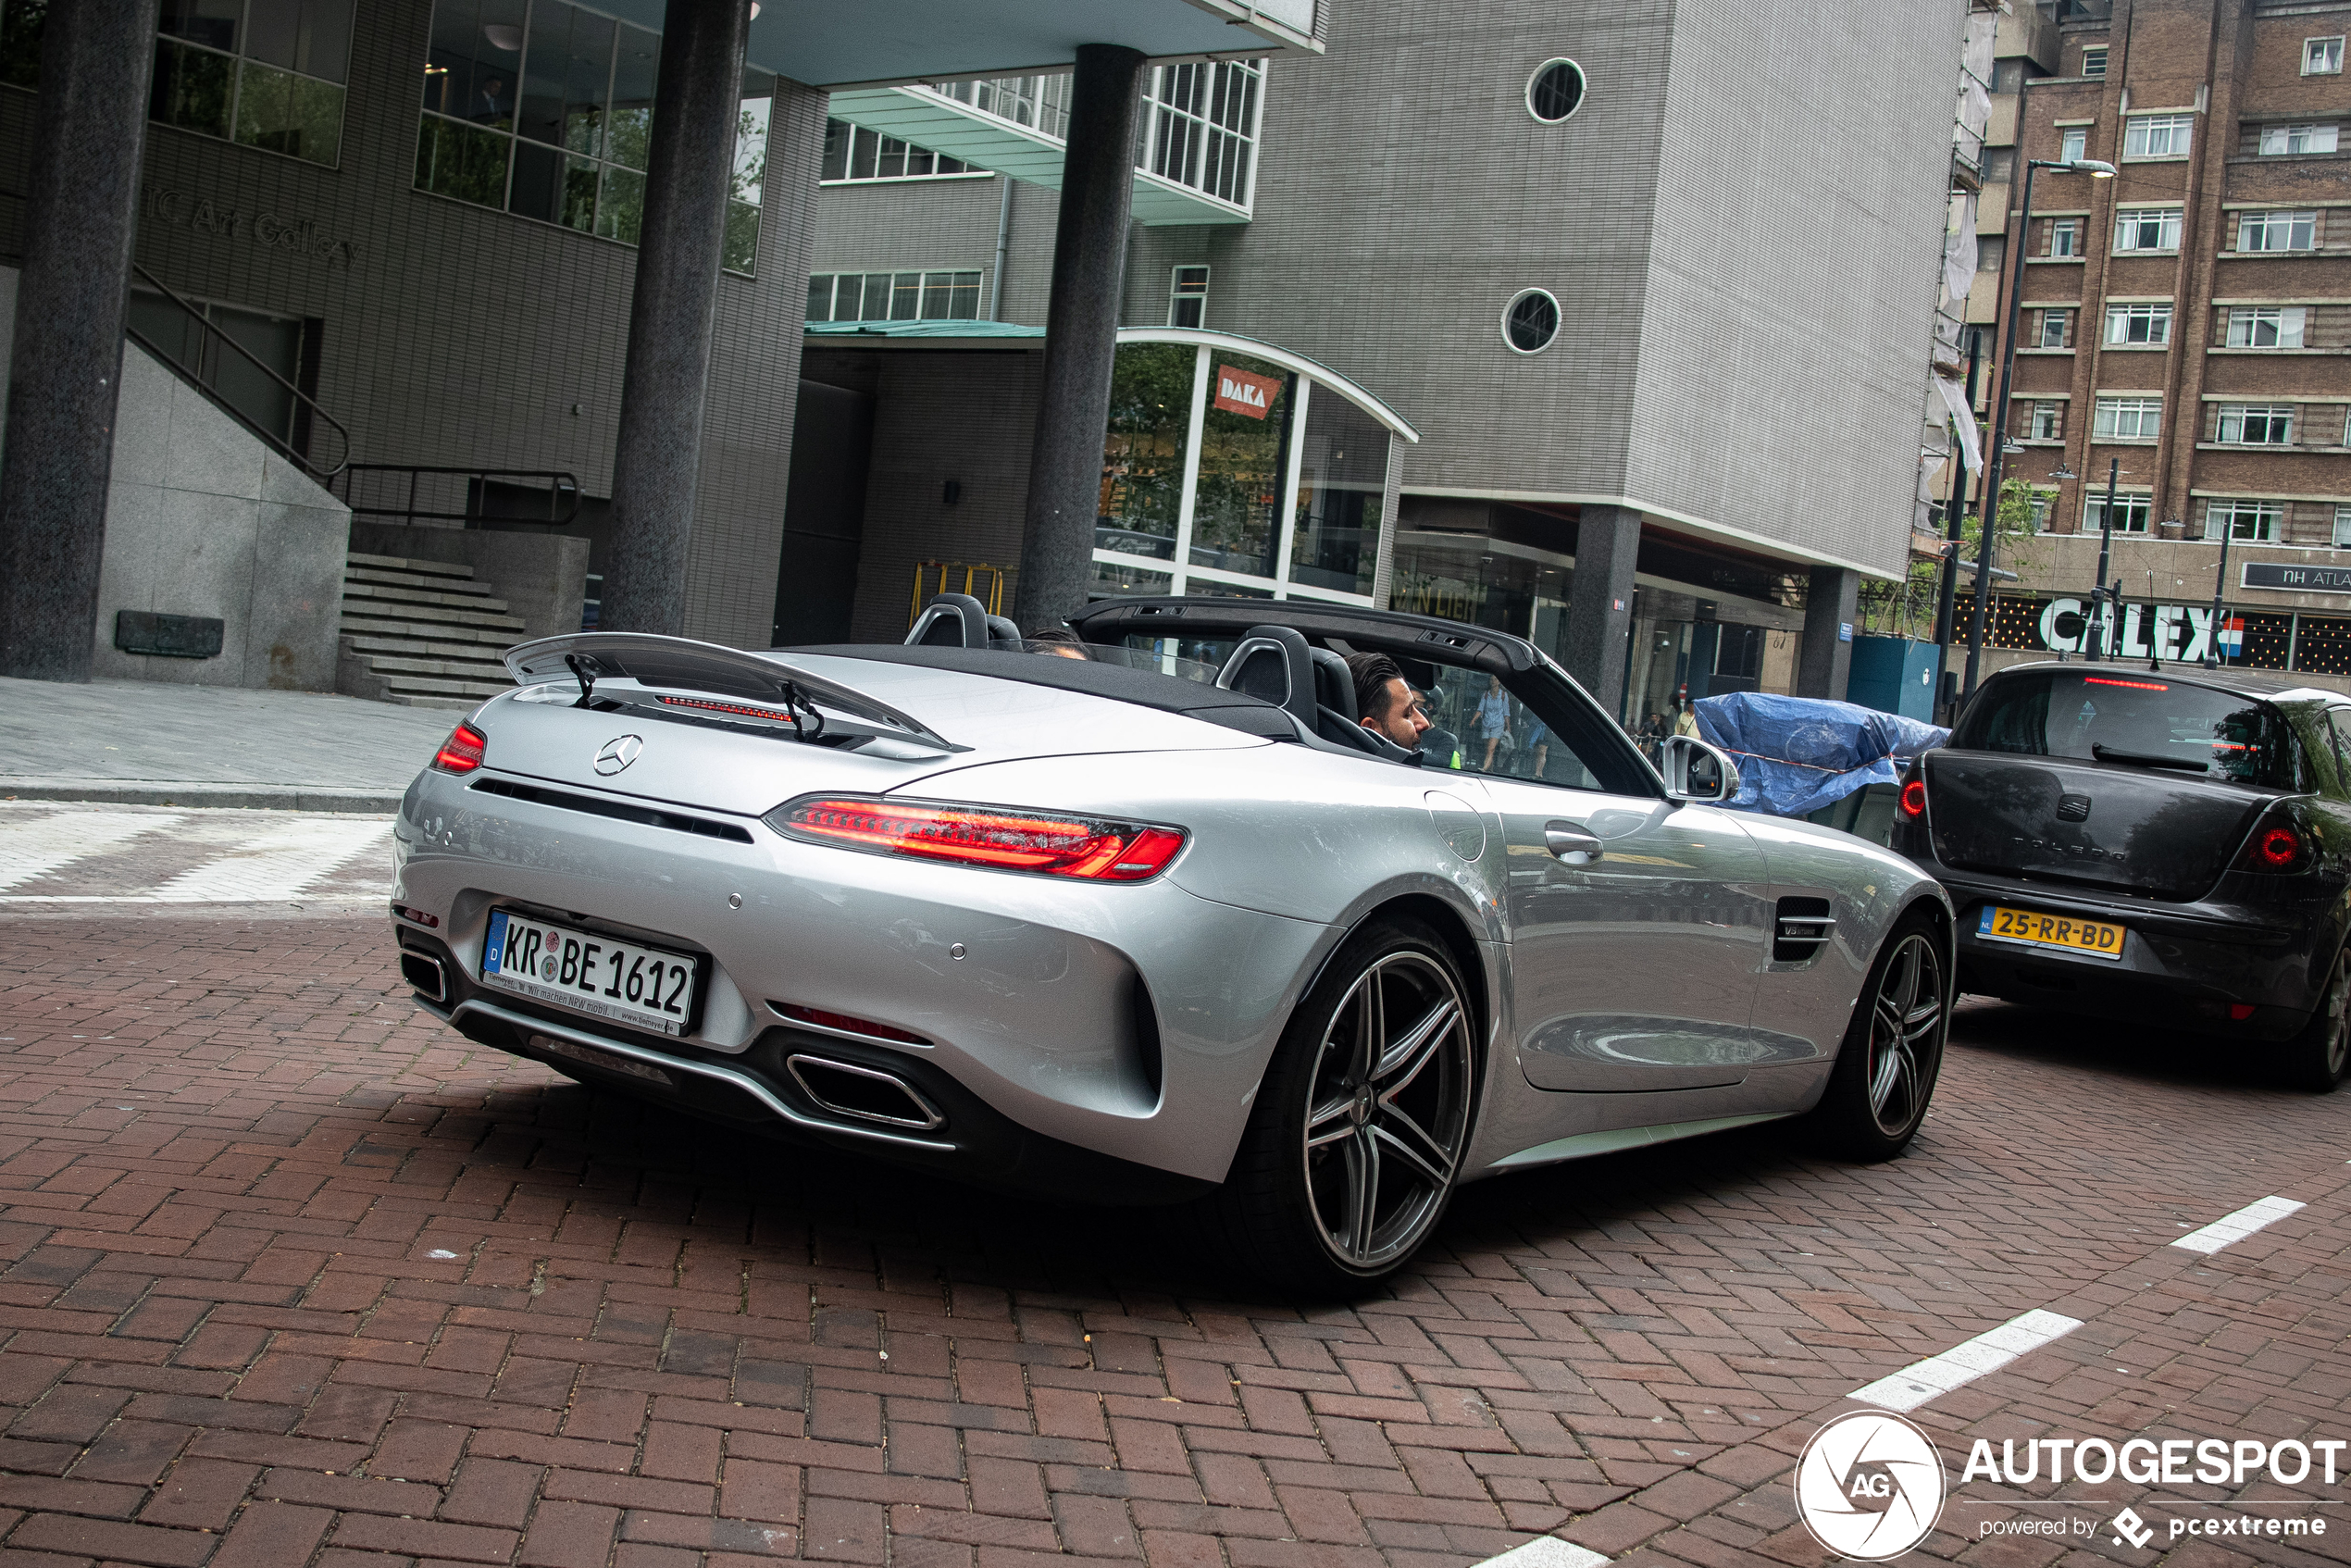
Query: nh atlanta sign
[2296, 579]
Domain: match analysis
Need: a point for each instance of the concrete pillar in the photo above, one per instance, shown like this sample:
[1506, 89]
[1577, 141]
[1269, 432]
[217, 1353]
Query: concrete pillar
[1826, 651]
[657, 456]
[81, 217]
[1081, 334]
[1600, 603]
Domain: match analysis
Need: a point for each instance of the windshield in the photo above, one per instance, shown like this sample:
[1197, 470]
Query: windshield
[2134, 721]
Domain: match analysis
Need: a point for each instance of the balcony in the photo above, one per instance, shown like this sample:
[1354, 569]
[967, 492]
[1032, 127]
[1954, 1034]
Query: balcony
[1197, 158]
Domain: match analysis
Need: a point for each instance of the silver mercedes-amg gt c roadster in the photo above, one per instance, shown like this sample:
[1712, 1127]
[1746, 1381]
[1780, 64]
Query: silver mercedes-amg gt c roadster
[1153, 917]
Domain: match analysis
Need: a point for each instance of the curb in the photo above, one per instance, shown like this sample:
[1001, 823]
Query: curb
[249, 797]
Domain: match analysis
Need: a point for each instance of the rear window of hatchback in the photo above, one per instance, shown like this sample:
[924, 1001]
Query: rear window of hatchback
[2144, 721]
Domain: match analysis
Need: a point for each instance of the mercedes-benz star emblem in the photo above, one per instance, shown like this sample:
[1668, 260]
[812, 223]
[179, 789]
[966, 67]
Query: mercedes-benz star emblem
[619, 753]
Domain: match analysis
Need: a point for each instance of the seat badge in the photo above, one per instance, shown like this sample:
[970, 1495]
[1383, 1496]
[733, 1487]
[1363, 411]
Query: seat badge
[2073, 808]
[619, 753]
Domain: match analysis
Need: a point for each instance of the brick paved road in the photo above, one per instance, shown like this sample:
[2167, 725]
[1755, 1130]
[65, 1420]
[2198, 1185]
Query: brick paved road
[292, 1274]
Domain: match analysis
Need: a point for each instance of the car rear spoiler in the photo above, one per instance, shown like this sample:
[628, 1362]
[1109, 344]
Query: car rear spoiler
[682, 664]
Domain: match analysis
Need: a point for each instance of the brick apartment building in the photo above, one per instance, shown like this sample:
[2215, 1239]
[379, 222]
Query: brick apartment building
[2190, 318]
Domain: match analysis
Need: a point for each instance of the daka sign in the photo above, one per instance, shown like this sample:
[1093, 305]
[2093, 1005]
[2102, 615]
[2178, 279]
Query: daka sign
[1245, 391]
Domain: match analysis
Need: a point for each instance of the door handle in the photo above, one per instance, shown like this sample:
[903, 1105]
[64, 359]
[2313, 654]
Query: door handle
[1571, 843]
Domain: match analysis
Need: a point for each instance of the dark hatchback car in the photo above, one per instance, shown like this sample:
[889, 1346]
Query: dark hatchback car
[2159, 846]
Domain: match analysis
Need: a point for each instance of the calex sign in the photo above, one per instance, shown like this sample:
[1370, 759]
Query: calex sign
[2179, 632]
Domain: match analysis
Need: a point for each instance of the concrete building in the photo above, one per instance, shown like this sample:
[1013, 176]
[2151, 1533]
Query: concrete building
[429, 254]
[1547, 244]
[2184, 327]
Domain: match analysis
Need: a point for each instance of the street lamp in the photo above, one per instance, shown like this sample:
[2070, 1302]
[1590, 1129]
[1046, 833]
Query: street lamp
[2095, 170]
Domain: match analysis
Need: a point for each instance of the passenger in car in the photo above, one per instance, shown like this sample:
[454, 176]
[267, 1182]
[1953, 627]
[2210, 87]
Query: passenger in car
[1056, 641]
[1383, 700]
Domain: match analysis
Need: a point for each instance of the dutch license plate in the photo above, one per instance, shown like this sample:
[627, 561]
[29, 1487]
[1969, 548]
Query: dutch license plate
[2096, 938]
[640, 986]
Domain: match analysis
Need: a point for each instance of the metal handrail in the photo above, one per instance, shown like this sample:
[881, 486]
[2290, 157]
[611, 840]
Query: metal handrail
[278, 443]
[562, 486]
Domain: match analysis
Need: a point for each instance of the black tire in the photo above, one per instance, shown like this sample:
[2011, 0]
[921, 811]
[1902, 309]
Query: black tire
[1332, 1109]
[1887, 1069]
[2320, 1057]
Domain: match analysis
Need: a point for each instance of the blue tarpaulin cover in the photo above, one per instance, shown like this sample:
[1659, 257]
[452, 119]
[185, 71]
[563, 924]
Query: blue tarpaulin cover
[1796, 754]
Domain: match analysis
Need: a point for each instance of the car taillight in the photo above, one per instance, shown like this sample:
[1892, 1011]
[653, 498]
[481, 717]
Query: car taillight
[1007, 840]
[462, 752]
[2278, 846]
[1913, 798]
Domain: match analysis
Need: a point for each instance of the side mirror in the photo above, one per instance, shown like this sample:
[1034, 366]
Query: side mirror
[1696, 771]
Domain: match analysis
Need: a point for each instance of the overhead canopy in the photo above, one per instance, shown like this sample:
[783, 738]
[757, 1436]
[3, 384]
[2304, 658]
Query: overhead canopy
[832, 44]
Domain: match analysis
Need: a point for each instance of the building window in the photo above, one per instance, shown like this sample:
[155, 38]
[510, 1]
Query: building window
[2266, 326]
[1201, 121]
[1555, 90]
[2046, 422]
[2056, 329]
[2128, 419]
[2138, 326]
[2244, 519]
[2277, 231]
[894, 296]
[2065, 236]
[2341, 540]
[2256, 424]
[1531, 321]
[1041, 103]
[2094, 61]
[547, 110]
[2146, 228]
[853, 153]
[2323, 57]
[2156, 136]
[2041, 503]
[268, 74]
[1188, 296]
[2131, 514]
[2074, 144]
[2298, 139]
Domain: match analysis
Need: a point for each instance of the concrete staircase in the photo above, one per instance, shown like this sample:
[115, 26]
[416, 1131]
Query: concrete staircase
[422, 634]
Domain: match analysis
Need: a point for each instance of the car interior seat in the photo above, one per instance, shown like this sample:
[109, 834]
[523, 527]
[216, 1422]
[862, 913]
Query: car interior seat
[1314, 685]
[958, 620]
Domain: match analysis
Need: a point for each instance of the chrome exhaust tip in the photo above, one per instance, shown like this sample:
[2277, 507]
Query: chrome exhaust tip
[425, 973]
[862, 1094]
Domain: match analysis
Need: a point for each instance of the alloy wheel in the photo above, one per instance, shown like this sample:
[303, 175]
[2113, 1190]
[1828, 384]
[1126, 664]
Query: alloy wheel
[1387, 1110]
[1906, 1034]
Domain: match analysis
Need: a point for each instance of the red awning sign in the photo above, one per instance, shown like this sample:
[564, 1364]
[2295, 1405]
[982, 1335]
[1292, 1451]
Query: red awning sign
[1243, 392]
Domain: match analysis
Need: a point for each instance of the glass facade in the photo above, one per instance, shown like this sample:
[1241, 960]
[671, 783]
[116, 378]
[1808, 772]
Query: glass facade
[1226, 472]
[545, 109]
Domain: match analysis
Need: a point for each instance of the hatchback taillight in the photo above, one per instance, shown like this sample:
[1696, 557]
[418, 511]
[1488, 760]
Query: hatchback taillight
[462, 753]
[1092, 849]
[1914, 799]
[2278, 846]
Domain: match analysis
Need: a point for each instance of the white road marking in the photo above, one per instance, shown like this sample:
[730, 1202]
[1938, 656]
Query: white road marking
[1547, 1551]
[1922, 1381]
[34, 848]
[277, 864]
[2237, 1226]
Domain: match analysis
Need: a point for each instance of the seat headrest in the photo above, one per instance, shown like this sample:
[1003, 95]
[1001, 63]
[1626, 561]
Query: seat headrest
[1273, 664]
[952, 620]
[1002, 633]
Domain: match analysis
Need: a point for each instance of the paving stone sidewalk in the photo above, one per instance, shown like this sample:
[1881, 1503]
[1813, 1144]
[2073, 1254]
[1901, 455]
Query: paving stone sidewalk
[152, 743]
[292, 1274]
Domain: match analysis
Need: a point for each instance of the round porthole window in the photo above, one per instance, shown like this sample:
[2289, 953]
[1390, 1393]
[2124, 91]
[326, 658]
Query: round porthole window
[1555, 90]
[1531, 322]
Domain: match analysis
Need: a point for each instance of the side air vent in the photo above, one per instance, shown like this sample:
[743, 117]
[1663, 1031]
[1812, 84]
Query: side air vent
[564, 800]
[1800, 927]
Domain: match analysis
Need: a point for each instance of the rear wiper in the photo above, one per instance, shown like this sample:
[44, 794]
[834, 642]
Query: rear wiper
[2147, 759]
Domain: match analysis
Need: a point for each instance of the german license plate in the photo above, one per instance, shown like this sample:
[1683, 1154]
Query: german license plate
[2095, 937]
[643, 987]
